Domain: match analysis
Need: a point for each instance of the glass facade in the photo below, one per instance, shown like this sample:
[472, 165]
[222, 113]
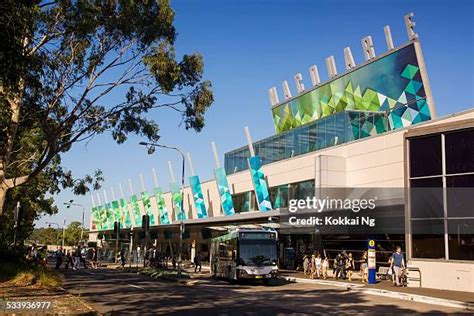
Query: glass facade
[441, 170]
[329, 131]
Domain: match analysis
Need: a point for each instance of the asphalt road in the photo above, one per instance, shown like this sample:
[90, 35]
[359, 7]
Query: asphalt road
[117, 292]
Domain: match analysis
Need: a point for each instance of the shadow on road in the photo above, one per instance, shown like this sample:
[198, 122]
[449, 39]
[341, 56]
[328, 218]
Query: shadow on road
[114, 292]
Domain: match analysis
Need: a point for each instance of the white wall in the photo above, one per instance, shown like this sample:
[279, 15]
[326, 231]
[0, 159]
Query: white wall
[446, 275]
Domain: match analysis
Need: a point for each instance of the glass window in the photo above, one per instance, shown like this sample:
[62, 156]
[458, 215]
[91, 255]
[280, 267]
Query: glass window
[304, 189]
[340, 128]
[428, 239]
[279, 196]
[426, 198]
[425, 156]
[331, 131]
[461, 239]
[460, 195]
[321, 134]
[460, 151]
[312, 136]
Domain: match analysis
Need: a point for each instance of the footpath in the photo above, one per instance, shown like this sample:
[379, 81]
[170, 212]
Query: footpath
[457, 299]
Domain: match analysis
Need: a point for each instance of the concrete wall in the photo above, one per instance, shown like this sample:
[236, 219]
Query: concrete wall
[446, 275]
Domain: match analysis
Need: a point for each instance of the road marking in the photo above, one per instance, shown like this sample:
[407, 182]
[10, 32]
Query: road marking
[136, 286]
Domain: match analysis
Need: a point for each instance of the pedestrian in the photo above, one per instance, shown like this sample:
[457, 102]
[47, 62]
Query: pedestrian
[318, 262]
[32, 254]
[83, 256]
[306, 265]
[197, 262]
[173, 261]
[59, 257]
[398, 264]
[122, 259]
[69, 260]
[325, 267]
[350, 265]
[340, 265]
[42, 257]
[313, 266]
[363, 263]
[94, 258]
[77, 257]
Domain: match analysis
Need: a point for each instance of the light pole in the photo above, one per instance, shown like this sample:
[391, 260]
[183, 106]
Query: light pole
[69, 204]
[64, 224]
[151, 150]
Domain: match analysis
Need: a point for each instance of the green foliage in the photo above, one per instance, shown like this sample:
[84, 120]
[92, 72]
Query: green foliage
[63, 58]
[61, 61]
[54, 235]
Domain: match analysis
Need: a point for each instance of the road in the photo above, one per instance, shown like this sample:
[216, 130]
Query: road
[117, 292]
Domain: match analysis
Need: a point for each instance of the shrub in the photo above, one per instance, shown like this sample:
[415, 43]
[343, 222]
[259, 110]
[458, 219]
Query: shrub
[49, 279]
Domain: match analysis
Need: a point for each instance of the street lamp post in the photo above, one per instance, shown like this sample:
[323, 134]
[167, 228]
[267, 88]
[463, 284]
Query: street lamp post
[151, 150]
[69, 204]
[64, 224]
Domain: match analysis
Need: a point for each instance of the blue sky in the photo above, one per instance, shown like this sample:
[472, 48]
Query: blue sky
[250, 46]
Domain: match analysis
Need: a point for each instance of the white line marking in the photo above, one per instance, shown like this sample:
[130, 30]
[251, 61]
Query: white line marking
[136, 286]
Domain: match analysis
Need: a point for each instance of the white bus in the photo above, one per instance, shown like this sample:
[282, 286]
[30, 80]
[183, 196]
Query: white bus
[245, 254]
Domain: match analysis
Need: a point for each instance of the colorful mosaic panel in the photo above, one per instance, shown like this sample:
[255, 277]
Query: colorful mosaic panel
[126, 218]
[136, 210]
[95, 219]
[259, 183]
[148, 208]
[390, 83]
[224, 191]
[180, 214]
[116, 210]
[110, 216]
[198, 196]
[161, 205]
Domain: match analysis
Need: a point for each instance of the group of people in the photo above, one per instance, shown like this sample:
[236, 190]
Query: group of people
[316, 267]
[344, 266]
[75, 257]
[37, 255]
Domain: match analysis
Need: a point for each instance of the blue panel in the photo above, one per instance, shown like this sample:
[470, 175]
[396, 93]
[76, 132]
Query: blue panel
[224, 191]
[259, 183]
[198, 196]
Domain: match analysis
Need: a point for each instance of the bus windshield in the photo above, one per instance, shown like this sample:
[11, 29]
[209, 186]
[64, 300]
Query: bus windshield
[257, 252]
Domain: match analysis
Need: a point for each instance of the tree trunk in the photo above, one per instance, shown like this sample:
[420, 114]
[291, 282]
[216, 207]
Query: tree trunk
[3, 197]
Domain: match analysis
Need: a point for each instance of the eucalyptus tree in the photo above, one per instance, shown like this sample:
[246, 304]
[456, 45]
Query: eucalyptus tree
[71, 70]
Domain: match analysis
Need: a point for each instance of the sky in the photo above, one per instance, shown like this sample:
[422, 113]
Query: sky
[251, 45]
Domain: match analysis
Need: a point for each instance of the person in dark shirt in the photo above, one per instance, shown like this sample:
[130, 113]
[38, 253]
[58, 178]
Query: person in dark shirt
[397, 263]
[197, 262]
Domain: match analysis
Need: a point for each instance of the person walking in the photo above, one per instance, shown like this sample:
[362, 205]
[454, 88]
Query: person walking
[350, 265]
[59, 257]
[122, 258]
[306, 265]
[197, 262]
[340, 265]
[325, 267]
[397, 263]
[69, 260]
[77, 257]
[94, 258]
[318, 261]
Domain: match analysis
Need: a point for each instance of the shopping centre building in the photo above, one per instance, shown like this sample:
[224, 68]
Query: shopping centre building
[372, 128]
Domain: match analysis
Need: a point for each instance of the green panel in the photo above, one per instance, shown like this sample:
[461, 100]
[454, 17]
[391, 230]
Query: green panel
[161, 205]
[390, 82]
[136, 210]
[180, 214]
[126, 219]
[148, 208]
